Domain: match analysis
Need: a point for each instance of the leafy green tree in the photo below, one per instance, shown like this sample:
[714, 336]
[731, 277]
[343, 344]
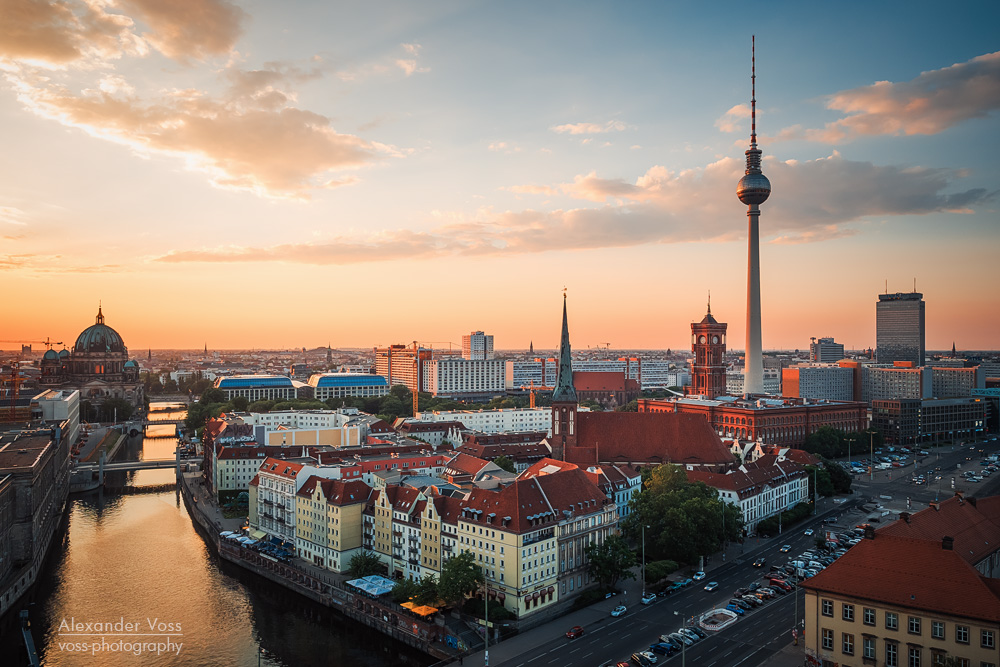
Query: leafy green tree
[825, 441]
[592, 404]
[405, 589]
[505, 463]
[401, 392]
[365, 563]
[116, 408]
[611, 561]
[200, 386]
[659, 569]
[240, 403]
[685, 520]
[819, 482]
[631, 406]
[261, 406]
[427, 591]
[839, 477]
[213, 395]
[459, 576]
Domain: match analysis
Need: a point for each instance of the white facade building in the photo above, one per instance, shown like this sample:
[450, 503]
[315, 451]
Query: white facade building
[464, 377]
[760, 489]
[477, 345]
[495, 421]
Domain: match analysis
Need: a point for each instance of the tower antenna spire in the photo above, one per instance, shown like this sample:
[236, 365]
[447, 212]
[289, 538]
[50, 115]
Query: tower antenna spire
[753, 91]
[709, 302]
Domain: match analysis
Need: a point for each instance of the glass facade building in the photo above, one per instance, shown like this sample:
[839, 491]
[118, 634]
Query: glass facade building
[899, 328]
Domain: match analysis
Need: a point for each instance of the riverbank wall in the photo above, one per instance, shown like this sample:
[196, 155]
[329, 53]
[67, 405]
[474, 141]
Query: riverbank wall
[431, 637]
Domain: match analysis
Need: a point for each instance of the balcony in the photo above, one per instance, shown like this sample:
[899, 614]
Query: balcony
[538, 537]
[446, 547]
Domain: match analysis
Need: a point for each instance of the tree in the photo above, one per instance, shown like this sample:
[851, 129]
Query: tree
[427, 591]
[839, 477]
[240, 403]
[685, 520]
[631, 406]
[819, 481]
[610, 561]
[659, 569]
[459, 576]
[365, 563]
[505, 463]
[405, 589]
[212, 395]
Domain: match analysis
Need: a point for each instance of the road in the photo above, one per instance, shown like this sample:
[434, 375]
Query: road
[763, 632]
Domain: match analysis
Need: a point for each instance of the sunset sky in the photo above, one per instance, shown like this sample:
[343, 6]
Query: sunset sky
[287, 174]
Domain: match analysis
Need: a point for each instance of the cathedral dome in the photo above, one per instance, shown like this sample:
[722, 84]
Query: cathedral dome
[63, 353]
[50, 355]
[99, 338]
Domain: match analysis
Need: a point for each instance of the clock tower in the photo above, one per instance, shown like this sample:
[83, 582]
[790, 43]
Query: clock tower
[708, 342]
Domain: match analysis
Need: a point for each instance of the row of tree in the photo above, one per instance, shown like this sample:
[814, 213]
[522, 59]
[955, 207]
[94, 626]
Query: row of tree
[832, 443]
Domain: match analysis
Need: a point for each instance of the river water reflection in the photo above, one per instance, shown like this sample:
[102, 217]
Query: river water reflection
[138, 558]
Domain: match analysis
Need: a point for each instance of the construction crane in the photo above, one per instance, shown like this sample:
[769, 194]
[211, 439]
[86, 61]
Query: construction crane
[15, 385]
[48, 342]
[531, 388]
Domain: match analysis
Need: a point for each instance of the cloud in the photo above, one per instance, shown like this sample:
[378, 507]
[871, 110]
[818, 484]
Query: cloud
[13, 216]
[590, 128]
[503, 147]
[57, 33]
[190, 29]
[929, 104]
[52, 264]
[728, 122]
[814, 201]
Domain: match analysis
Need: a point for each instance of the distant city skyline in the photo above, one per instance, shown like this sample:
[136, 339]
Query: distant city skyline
[279, 176]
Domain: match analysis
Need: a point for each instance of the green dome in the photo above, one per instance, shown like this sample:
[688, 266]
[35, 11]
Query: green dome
[99, 338]
[50, 355]
[63, 353]
[131, 364]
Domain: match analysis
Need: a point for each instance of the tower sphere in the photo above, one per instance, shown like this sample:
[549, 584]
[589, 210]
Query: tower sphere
[753, 189]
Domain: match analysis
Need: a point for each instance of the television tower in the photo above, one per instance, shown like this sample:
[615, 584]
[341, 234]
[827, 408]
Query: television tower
[753, 190]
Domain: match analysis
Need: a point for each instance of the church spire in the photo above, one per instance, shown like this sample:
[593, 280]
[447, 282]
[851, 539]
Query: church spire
[564, 391]
[100, 316]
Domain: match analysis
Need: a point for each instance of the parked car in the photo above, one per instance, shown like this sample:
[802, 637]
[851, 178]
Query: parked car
[649, 655]
[641, 660]
[698, 631]
[662, 648]
[649, 598]
[619, 610]
[667, 639]
[740, 602]
[690, 634]
[574, 632]
[733, 608]
[683, 639]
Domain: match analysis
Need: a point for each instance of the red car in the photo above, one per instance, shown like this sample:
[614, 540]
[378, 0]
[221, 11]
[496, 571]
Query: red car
[574, 632]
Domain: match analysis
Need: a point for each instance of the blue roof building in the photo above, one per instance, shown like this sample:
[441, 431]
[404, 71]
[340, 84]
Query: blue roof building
[340, 385]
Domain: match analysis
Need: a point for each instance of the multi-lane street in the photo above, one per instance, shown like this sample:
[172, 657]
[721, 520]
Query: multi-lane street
[763, 632]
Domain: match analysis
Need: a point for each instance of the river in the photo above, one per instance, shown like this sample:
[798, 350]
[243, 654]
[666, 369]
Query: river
[138, 558]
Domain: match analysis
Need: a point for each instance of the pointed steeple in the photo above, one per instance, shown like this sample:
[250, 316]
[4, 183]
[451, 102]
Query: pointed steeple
[953, 355]
[564, 391]
[100, 315]
[531, 347]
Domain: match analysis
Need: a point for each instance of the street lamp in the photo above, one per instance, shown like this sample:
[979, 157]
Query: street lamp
[683, 644]
[644, 527]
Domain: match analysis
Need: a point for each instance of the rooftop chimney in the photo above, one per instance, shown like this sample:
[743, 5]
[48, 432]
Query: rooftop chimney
[869, 533]
[947, 543]
[905, 516]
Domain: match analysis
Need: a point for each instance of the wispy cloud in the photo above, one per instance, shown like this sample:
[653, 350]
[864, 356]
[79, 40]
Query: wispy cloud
[729, 121]
[189, 29]
[929, 104]
[819, 201]
[591, 128]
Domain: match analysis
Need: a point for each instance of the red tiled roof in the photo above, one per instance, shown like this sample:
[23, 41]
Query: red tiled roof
[543, 499]
[547, 466]
[469, 465]
[910, 573]
[599, 380]
[976, 530]
[750, 481]
[653, 438]
[449, 508]
[280, 467]
[516, 451]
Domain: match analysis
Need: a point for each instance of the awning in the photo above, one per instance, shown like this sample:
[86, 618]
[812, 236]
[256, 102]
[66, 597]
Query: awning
[276, 540]
[550, 589]
[424, 610]
[258, 534]
[408, 605]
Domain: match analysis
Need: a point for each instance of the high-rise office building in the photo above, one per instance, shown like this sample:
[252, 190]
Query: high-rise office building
[899, 328]
[825, 350]
[477, 345]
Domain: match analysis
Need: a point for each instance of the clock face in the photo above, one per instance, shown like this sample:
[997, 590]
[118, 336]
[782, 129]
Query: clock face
[715, 339]
[701, 339]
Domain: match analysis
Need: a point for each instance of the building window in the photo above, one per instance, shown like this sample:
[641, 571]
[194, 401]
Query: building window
[913, 659]
[891, 620]
[891, 655]
[848, 612]
[962, 634]
[987, 639]
[828, 607]
[868, 616]
[868, 645]
[848, 644]
[937, 629]
[828, 639]
[913, 625]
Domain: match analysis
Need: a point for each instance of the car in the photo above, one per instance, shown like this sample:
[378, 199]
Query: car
[753, 600]
[740, 602]
[698, 576]
[649, 655]
[785, 548]
[740, 592]
[688, 582]
[619, 610]
[641, 660]
[667, 639]
[682, 639]
[649, 598]
[698, 631]
[574, 632]
[687, 632]
[733, 608]
[711, 586]
[809, 532]
[759, 562]
[662, 648]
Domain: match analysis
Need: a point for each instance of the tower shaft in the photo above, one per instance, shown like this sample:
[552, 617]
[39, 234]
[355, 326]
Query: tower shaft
[753, 373]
